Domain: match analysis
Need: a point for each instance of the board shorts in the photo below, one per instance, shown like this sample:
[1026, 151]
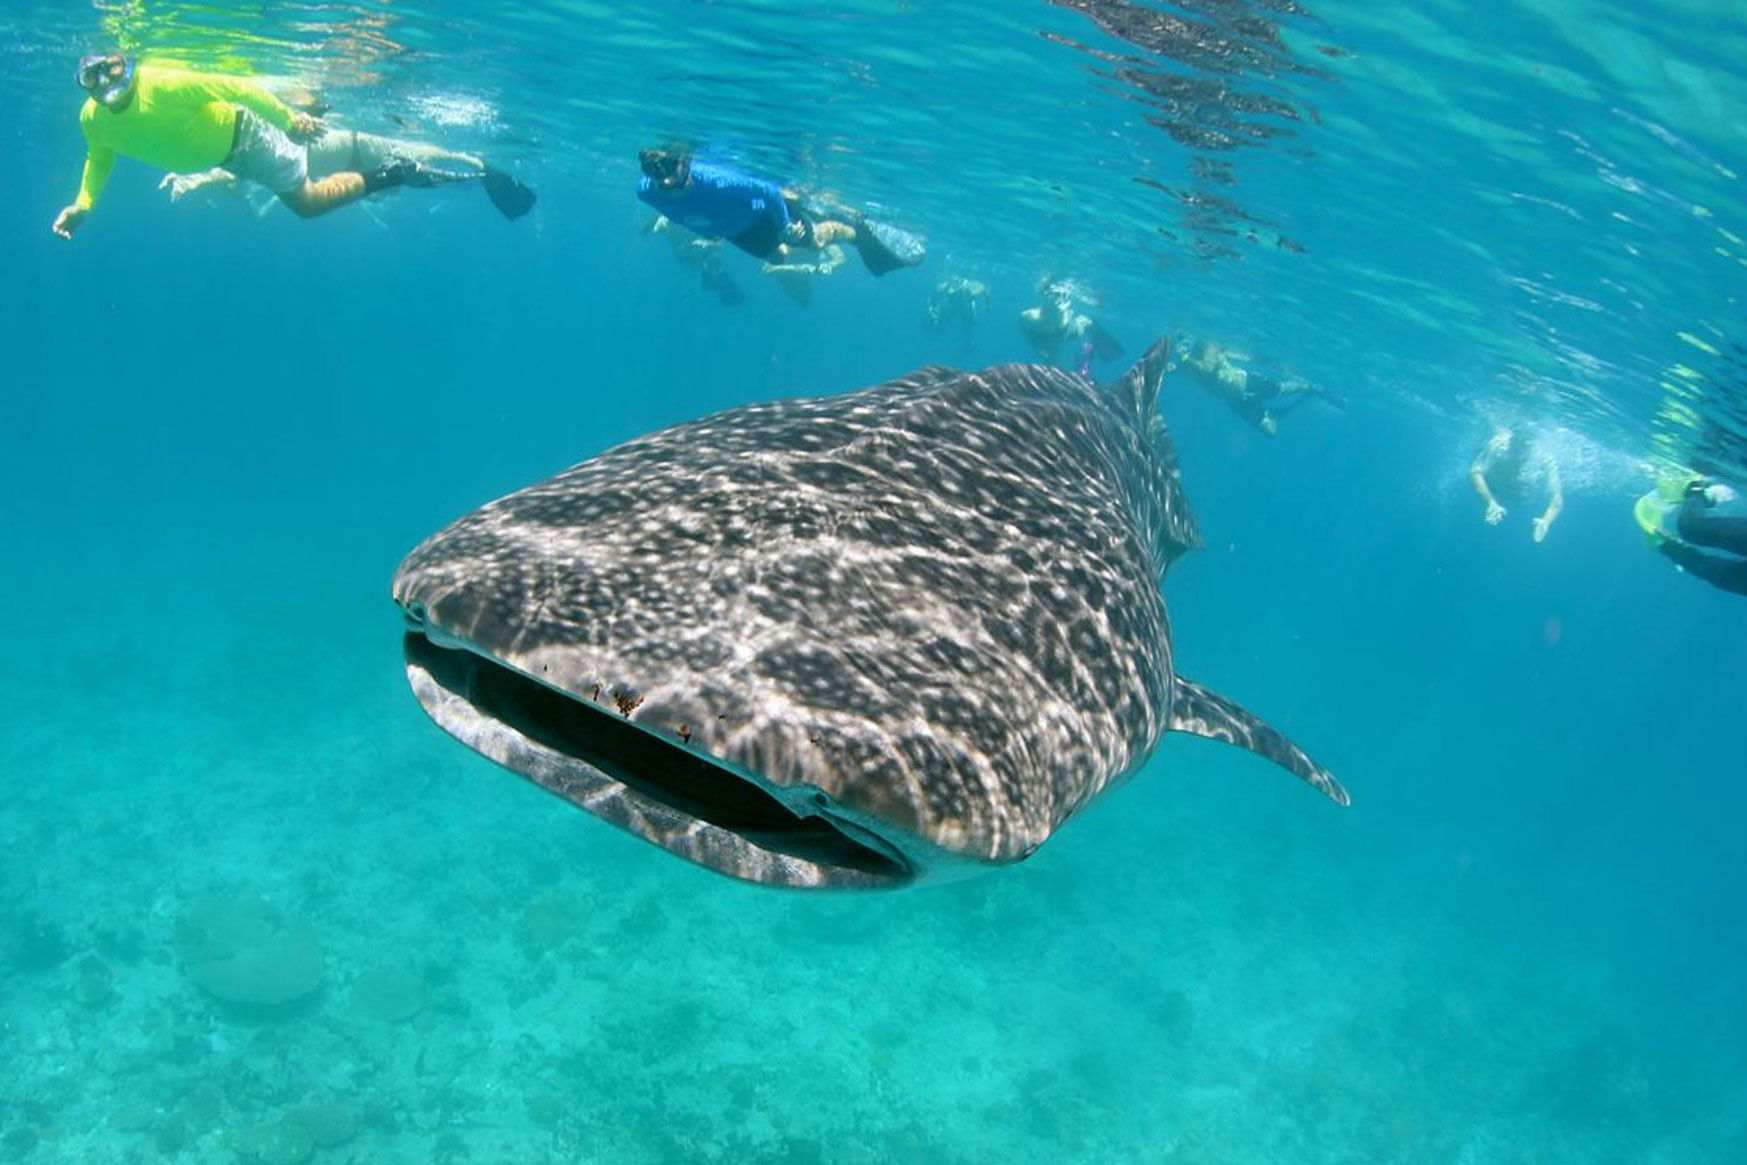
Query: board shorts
[264, 153]
[762, 238]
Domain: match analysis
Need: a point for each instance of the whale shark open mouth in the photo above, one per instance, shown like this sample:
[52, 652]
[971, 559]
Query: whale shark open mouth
[652, 786]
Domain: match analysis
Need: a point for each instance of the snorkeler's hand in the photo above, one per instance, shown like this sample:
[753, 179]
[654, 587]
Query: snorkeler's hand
[180, 184]
[1540, 526]
[303, 127]
[69, 219]
[1494, 513]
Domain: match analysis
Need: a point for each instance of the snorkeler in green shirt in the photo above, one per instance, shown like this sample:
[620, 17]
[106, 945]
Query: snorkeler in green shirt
[182, 121]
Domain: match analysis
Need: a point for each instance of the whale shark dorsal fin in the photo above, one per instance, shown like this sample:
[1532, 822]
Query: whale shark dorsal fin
[1137, 391]
[1139, 386]
[1200, 712]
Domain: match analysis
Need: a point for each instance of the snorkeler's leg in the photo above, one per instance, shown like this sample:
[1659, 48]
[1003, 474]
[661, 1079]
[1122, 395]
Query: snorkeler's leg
[1287, 399]
[264, 153]
[449, 162]
[827, 231]
[317, 197]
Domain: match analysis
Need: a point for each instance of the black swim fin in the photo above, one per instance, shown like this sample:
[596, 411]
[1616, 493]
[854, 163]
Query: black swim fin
[722, 285]
[796, 286]
[884, 248]
[511, 198]
[1104, 345]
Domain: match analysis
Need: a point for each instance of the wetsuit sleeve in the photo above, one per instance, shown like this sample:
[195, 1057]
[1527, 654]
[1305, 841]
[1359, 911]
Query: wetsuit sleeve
[650, 195]
[1727, 574]
[99, 161]
[250, 95]
[1698, 525]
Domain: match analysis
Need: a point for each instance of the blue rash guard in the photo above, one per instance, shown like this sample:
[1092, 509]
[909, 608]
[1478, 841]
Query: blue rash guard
[721, 202]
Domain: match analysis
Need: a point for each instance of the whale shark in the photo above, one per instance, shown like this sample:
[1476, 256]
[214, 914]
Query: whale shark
[867, 640]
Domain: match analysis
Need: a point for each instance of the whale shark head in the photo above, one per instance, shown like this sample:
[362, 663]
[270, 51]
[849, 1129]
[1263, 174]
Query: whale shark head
[856, 641]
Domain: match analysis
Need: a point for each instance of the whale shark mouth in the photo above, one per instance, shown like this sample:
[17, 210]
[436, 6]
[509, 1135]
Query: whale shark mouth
[677, 797]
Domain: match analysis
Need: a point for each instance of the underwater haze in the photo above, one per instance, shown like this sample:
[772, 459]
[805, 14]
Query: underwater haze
[256, 907]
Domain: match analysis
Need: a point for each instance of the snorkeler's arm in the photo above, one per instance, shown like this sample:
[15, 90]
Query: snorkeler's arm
[1555, 497]
[251, 94]
[1477, 475]
[99, 162]
[1724, 573]
[1477, 471]
[180, 185]
[99, 159]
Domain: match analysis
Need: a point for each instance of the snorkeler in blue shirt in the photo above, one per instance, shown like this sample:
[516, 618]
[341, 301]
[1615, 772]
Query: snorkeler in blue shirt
[717, 202]
[759, 216]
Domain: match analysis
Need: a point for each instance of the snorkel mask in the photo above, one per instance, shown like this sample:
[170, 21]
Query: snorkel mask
[668, 169]
[107, 77]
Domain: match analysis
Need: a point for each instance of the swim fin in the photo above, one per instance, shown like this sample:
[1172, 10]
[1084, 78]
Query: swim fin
[885, 248]
[1104, 345]
[795, 285]
[722, 285]
[511, 198]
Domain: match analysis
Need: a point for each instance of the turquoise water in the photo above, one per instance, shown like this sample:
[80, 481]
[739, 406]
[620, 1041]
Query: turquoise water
[1524, 941]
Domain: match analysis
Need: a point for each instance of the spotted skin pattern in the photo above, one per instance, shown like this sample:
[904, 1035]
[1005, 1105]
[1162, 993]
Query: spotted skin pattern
[936, 602]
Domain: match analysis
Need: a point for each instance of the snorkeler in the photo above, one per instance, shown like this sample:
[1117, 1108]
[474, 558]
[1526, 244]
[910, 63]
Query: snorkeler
[1260, 399]
[1695, 530]
[762, 218]
[1509, 466]
[703, 256]
[796, 278]
[183, 121]
[336, 151]
[1059, 318]
[955, 300]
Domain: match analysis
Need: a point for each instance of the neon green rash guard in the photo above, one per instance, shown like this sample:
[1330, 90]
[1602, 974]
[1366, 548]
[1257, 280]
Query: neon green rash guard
[179, 122]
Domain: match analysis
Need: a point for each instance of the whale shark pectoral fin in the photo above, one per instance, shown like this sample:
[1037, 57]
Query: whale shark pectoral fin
[1200, 712]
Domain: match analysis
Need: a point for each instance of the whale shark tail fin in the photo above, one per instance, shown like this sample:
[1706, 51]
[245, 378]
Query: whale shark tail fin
[1138, 388]
[1200, 712]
